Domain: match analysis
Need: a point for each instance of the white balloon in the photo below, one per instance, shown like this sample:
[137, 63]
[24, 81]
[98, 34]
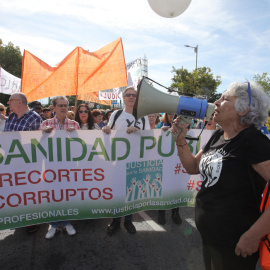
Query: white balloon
[169, 8]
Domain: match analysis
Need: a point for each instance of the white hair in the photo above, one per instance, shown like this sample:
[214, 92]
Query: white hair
[54, 100]
[259, 106]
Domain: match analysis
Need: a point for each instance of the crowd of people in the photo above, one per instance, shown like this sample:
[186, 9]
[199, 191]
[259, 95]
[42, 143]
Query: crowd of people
[226, 212]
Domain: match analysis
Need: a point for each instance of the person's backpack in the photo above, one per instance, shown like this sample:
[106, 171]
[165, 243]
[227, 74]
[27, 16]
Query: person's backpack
[118, 114]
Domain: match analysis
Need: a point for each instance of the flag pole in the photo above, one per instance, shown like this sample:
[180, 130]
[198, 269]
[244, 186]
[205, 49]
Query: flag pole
[75, 102]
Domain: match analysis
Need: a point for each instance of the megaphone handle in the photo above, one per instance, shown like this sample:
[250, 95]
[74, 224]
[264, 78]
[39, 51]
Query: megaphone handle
[183, 121]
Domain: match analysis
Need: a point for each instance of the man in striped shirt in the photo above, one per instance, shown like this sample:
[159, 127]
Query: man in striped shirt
[59, 122]
[22, 119]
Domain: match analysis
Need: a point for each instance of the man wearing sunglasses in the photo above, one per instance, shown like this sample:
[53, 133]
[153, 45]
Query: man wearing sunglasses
[124, 120]
[21, 118]
[59, 122]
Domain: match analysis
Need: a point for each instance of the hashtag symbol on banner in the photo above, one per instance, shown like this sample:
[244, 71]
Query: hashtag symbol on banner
[177, 168]
[191, 185]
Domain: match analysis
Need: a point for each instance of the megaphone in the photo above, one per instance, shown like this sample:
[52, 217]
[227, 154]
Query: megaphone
[151, 100]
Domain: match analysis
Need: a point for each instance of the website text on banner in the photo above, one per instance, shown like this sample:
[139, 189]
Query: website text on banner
[65, 176]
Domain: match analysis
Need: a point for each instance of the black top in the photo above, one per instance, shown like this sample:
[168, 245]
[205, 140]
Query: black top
[227, 204]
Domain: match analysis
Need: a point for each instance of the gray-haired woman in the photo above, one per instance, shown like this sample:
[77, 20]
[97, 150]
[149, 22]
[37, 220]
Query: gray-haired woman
[226, 212]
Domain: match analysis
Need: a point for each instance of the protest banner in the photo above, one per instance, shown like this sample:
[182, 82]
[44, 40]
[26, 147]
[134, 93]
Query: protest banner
[66, 176]
[134, 72]
[81, 73]
[9, 84]
[115, 94]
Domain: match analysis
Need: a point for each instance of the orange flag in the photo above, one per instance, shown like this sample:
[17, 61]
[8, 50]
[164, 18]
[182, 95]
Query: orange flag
[81, 73]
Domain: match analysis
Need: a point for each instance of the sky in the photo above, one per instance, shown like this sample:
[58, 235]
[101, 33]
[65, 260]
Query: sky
[232, 35]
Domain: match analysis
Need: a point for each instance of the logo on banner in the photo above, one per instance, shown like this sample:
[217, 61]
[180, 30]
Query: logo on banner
[9, 84]
[144, 180]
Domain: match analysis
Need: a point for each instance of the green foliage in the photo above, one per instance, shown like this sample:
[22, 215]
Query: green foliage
[199, 82]
[11, 61]
[264, 81]
[11, 58]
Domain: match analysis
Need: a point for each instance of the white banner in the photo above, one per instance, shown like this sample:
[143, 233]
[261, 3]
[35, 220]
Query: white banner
[9, 83]
[88, 174]
[110, 95]
[134, 72]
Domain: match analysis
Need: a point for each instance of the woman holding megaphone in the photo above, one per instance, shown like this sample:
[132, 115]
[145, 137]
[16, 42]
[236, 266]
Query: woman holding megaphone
[235, 166]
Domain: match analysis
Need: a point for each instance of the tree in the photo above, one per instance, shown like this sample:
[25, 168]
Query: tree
[11, 58]
[264, 81]
[11, 61]
[199, 82]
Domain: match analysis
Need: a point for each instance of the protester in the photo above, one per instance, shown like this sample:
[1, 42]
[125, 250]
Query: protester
[71, 115]
[2, 117]
[107, 116]
[165, 124]
[71, 108]
[211, 124]
[47, 113]
[102, 123]
[37, 107]
[227, 213]
[22, 119]
[84, 117]
[192, 124]
[152, 120]
[59, 122]
[97, 116]
[124, 120]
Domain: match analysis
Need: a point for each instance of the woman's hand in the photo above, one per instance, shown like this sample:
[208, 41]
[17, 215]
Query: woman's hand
[247, 245]
[180, 139]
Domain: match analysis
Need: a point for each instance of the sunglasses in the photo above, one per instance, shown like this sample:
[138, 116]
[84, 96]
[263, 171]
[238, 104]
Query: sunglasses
[1, 109]
[130, 95]
[86, 111]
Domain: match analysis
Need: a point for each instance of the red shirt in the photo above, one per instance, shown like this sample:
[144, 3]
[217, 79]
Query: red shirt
[55, 123]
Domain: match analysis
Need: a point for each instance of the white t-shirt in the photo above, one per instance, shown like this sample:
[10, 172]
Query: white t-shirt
[126, 120]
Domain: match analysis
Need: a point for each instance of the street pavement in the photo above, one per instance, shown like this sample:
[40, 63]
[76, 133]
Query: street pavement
[153, 247]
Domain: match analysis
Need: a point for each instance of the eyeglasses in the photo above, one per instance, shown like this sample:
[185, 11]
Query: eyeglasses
[1, 109]
[130, 95]
[62, 105]
[86, 111]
